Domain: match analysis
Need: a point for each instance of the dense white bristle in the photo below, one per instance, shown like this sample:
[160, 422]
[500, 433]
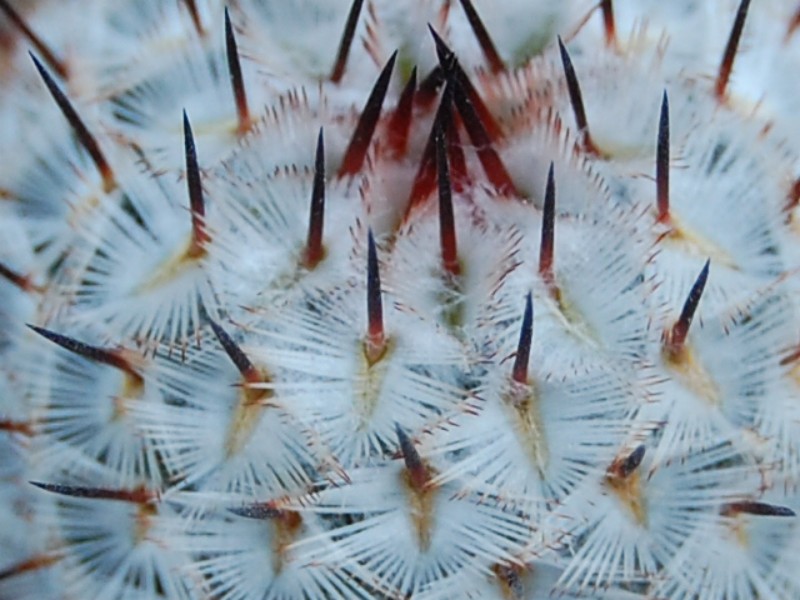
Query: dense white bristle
[423, 299]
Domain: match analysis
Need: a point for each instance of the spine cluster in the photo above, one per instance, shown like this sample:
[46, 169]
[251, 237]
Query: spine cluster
[320, 299]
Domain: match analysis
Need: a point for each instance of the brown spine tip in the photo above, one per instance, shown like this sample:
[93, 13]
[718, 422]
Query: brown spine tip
[259, 510]
[375, 344]
[484, 39]
[446, 57]
[286, 522]
[417, 471]
[362, 136]
[458, 162]
[446, 120]
[481, 110]
[236, 354]
[41, 48]
[138, 495]
[35, 563]
[630, 463]
[609, 26]
[452, 69]
[523, 355]
[237, 80]
[100, 355]
[677, 335]
[196, 203]
[726, 66]
[490, 160]
[85, 138]
[400, 123]
[347, 40]
[314, 250]
[23, 282]
[662, 163]
[761, 509]
[447, 226]
[548, 230]
[576, 99]
[429, 87]
[194, 14]
[425, 179]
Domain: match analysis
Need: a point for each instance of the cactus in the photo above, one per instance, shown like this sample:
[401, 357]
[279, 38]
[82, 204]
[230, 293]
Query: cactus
[427, 299]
